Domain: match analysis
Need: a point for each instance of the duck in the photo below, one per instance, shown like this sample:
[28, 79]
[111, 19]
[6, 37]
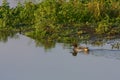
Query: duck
[80, 48]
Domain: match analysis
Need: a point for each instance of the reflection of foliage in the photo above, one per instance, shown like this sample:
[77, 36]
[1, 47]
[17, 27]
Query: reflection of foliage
[45, 43]
[49, 43]
[4, 35]
[97, 43]
[115, 45]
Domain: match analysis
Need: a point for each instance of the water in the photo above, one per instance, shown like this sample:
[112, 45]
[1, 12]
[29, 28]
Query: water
[13, 3]
[20, 59]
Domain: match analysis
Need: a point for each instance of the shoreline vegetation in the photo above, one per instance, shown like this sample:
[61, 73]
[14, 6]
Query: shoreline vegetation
[63, 20]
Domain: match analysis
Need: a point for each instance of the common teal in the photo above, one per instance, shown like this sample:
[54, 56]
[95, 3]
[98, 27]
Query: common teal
[80, 48]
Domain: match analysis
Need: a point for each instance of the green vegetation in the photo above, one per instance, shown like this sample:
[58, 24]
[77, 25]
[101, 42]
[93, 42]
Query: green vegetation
[63, 20]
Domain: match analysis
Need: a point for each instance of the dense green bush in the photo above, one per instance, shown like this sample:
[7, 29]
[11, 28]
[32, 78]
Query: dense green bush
[63, 20]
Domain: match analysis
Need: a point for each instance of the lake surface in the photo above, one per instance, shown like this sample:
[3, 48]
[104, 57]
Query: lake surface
[20, 59]
[13, 3]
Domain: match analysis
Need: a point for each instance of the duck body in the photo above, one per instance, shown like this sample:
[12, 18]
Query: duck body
[80, 48]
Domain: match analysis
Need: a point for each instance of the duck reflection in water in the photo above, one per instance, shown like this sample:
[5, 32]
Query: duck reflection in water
[77, 49]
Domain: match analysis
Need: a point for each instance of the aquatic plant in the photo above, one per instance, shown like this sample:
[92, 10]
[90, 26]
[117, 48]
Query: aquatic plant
[63, 20]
